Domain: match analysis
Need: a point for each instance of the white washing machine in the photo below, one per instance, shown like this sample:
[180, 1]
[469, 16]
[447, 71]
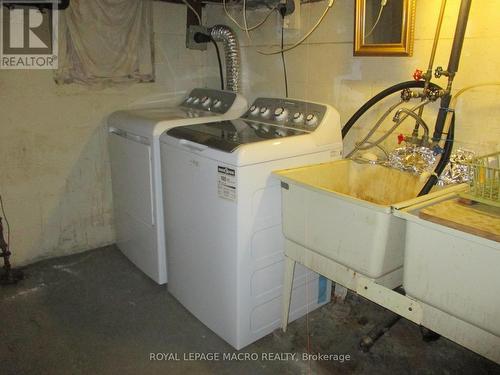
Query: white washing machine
[223, 214]
[135, 170]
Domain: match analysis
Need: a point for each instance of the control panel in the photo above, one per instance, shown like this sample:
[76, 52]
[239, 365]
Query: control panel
[286, 114]
[209, 100]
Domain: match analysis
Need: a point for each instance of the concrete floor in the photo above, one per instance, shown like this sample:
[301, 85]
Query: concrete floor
[95, 313]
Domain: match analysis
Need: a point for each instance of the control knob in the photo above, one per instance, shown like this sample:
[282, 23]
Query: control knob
[265, 112]
[280, 113]
[217, 103]
[298, 117]
[281, 132]
[311, 120]
[264, 128]
[254, 110]
[205, 101]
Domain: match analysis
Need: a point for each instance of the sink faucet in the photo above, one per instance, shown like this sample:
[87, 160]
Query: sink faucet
[418, 119]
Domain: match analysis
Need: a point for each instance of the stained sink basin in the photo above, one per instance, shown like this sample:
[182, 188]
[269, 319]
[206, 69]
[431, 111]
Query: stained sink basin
[343, 211]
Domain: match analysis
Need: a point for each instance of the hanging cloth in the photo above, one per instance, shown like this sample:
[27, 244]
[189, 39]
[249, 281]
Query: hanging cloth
[106, 42]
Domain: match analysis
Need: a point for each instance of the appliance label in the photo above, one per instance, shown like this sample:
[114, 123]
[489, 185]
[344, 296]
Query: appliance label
[226, 183]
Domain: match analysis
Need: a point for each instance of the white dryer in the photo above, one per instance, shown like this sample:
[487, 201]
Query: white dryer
[223, 214]
[135, 170]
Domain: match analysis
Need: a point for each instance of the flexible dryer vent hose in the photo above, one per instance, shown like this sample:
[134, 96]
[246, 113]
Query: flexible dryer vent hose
[224, 34]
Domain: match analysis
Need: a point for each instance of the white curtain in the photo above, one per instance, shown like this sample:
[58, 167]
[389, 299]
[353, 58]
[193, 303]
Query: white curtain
[106, 42]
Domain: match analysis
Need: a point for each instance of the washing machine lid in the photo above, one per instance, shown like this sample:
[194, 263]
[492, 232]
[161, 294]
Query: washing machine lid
[227, 136]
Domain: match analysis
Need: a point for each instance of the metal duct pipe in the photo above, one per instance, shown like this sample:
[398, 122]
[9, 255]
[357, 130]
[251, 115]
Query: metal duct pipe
[224, 34]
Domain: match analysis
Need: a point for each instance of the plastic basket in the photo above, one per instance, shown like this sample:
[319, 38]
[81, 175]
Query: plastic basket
[485, 181]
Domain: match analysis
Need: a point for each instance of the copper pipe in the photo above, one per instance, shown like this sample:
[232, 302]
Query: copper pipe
[428, 74]
[436, 37]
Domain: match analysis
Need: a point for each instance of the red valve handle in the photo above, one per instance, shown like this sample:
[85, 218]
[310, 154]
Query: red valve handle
[401, 139]
[418, 75]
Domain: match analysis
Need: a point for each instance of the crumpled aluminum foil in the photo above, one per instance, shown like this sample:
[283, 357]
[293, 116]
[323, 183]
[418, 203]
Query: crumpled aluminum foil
[457, 171]
[413, 159]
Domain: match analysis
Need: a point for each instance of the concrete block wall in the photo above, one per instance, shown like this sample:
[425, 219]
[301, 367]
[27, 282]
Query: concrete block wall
[54, 167]
[324, 68]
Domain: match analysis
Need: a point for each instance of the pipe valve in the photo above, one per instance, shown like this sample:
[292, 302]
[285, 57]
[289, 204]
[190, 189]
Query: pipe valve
[441, 72]
[433, 93]
[418, 75]
[406, 95]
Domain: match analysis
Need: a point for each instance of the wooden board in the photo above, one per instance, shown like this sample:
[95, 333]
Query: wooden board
[479, 219]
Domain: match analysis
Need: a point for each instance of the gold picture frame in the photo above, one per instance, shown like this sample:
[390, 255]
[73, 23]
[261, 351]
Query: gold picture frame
[390, 34]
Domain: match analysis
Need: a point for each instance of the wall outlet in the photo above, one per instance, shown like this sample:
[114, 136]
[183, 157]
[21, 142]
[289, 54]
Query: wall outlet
[292, 21]
[190, 43]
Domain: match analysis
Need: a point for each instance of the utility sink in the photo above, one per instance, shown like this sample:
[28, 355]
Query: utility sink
[343, 211]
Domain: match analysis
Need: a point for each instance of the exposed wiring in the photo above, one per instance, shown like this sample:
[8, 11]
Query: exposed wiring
[242, 27]
[6, 221]
[283, 56]
[307, 35]
[194, 11]
[383, 3]
[245, 24]
[220, 63]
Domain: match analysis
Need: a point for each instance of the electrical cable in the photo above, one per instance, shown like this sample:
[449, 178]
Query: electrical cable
[200, 37]
[383, 3]
[194, 11]
[307, 35]
[283, 55]
[220, 63]
[245, 20]
[6, 221]
[251, 28]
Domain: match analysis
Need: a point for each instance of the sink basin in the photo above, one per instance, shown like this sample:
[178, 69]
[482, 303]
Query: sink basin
[451, 269]
[343, 211]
